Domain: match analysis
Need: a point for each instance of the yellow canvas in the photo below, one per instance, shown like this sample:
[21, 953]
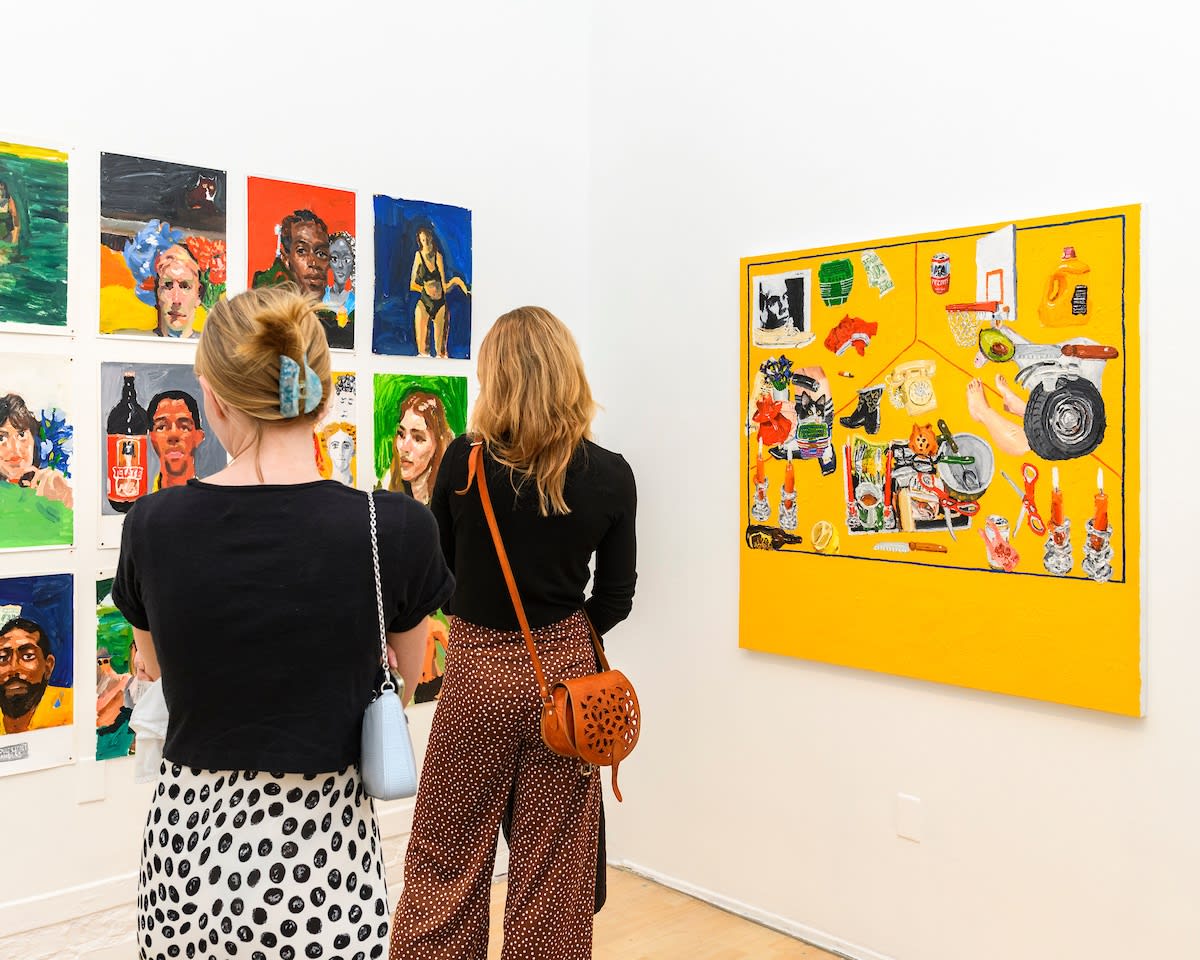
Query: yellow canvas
[942, 457]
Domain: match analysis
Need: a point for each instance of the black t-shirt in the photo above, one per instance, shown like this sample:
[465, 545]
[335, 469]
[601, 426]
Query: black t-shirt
[261, 603]
[549, 555]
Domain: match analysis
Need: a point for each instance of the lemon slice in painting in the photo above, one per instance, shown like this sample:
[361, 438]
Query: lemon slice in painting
[824, 537]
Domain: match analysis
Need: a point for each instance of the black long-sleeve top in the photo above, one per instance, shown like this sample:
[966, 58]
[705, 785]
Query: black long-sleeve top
[549, 555]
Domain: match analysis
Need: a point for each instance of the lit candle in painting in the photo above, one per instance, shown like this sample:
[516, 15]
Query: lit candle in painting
[789, 475]
[760, 474]
[1100, 521]
[1056, 503]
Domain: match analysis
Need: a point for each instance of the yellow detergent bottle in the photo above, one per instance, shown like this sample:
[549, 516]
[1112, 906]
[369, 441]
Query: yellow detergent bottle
[1067, 301]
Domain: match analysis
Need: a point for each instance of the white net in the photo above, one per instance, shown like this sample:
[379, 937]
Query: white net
[964, 325]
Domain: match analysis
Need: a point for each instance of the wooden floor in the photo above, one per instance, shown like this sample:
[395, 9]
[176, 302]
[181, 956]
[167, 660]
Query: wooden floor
[646, 921]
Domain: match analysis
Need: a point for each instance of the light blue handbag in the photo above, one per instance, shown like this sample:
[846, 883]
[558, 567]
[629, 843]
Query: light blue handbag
[388, 765]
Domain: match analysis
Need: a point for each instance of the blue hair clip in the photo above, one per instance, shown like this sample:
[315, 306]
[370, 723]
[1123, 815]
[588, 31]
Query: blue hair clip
[292, 387]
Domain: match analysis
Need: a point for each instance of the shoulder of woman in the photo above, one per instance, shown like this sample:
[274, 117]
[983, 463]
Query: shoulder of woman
[153, 505]
[608, 470]
[605, 459]
[457, 452]
[403, 515]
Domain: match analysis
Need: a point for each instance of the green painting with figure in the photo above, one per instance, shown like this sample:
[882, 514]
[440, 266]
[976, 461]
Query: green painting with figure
[416, 417]
[33, 237]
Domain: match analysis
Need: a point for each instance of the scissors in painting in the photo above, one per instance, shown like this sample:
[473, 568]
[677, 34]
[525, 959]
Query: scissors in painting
[1029, 473]
[949, 505]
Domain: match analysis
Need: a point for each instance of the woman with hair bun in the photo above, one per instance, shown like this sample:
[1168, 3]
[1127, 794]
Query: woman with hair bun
[252, 593]
[560, 502]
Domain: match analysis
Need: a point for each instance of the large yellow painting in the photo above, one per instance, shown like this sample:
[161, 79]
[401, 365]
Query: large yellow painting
[942, 457]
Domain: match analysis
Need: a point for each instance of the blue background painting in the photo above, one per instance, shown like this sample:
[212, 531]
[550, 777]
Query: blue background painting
[396, 225]
[48, 601]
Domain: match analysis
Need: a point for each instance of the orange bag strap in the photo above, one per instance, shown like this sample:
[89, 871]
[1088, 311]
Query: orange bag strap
[475, 470]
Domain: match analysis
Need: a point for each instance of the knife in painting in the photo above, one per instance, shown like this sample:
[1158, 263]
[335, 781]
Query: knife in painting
[907, 546]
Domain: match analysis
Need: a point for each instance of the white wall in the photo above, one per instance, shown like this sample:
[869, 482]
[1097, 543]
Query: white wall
[1048, 832]
[473, 104]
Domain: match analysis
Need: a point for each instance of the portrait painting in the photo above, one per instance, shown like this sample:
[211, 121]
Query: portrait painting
[33, 238]
[783, 309]
[121, 676]
[154, 429]
[335, 435]
[416, 417]
[37, 495]
[36, 671]
[303, 234]
[422, 279]
[162, 246]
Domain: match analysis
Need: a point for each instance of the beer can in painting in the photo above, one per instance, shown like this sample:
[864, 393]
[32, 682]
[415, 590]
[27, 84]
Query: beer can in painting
[939, 272]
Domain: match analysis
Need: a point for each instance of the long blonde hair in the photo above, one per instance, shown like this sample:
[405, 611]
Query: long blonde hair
[535, 406]
[239, 352]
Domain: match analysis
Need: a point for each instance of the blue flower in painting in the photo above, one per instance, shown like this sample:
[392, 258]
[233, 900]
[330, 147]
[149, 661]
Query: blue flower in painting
[141, 251]
[777, 372]
[55, 447]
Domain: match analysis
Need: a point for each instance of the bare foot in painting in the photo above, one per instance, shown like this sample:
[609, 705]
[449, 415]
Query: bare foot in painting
[1008, 436]
[1012, 402]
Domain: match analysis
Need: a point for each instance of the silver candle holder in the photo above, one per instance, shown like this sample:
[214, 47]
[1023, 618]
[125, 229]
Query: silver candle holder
[787, 511]
[760, 510]
[1097, 553]
[1057, 558]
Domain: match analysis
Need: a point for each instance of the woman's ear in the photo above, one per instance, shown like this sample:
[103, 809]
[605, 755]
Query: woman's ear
[213, 406]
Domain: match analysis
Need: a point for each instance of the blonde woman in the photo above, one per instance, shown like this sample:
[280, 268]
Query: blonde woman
[264, 628]
[561, 500]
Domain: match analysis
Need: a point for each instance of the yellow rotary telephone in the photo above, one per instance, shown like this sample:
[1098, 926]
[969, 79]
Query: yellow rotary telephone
[910, 387]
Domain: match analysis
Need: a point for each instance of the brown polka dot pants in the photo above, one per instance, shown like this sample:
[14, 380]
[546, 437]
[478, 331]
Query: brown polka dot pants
[485, 738]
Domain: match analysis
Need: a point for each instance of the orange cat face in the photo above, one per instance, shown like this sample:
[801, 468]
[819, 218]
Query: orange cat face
[923, 440]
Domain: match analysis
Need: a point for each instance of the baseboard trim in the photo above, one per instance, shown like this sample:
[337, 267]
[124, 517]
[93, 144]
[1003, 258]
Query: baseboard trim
[61, 906]
[800, 931]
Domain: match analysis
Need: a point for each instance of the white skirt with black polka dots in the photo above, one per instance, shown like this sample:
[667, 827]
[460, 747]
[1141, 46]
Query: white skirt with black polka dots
[261, 866]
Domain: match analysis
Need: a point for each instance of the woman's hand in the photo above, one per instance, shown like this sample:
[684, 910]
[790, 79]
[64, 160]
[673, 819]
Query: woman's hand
[53, 486]
[433, 289]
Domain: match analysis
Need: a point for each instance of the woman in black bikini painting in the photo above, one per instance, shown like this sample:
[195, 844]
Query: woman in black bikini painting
[429, 281]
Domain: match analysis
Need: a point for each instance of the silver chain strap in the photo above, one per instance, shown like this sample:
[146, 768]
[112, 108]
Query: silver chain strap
[383, 661]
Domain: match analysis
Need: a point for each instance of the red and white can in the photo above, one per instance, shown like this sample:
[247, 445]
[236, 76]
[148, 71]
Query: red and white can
[939, 272]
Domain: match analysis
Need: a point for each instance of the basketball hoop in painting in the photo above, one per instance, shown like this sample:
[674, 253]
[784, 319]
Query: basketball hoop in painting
[965, 319]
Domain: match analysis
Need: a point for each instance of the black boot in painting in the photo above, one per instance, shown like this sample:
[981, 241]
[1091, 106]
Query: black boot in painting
[866, 414]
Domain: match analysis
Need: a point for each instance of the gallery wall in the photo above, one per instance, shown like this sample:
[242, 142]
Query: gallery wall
[769, 784]
[402, 102]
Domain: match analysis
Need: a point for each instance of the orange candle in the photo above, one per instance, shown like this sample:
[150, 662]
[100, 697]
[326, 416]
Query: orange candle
[789, 476]
[1100, 521]
[760, 474]
[1056, 505]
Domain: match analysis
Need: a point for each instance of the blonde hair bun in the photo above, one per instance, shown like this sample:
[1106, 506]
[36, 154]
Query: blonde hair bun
[245, 336]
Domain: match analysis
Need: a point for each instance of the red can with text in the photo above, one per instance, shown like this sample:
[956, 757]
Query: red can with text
[939, 272]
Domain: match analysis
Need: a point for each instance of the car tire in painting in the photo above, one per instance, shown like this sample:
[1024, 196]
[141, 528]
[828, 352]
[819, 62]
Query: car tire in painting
[1065, 422]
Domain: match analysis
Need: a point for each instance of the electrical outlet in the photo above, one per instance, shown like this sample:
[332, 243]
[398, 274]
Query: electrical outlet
[908, 817]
